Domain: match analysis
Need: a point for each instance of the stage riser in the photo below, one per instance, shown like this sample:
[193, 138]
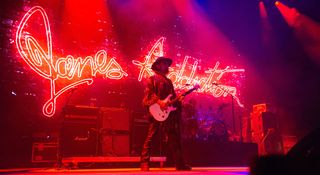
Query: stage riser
[208, 153]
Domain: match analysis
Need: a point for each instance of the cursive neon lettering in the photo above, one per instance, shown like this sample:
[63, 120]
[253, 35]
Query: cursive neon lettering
[41, 61]
[180, 76]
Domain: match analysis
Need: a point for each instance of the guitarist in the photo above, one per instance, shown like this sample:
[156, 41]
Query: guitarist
[158, 88]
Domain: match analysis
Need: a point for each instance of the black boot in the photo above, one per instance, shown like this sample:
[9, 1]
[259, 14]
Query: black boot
[144, 166]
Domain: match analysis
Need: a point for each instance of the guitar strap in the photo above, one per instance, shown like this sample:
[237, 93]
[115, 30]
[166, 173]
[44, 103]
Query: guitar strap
[154, 84]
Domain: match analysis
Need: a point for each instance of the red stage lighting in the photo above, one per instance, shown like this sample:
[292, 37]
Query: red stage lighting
[262, 10]
[306, 30]
[85, 24]
[288, 13]
[266, 35]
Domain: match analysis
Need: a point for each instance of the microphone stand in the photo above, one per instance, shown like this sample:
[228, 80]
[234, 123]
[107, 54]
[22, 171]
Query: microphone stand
[62, 115]
[232, 109]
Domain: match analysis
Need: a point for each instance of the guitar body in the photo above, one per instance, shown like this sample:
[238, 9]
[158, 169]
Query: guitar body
[160, 114]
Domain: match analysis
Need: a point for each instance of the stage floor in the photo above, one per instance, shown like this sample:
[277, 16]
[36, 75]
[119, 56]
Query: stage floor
[131, 171]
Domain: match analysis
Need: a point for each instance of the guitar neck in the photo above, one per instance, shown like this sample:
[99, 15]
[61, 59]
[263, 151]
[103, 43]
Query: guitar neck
[184, 94]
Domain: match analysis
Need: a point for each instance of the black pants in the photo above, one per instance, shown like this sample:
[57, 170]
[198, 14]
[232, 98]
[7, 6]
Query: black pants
[172, 130]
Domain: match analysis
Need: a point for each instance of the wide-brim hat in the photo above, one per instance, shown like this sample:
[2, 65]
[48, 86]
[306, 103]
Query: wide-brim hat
[168, 61]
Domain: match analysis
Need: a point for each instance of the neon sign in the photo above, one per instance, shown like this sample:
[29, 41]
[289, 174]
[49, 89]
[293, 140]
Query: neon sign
[42, 62]
[180, 79]
[82, 70]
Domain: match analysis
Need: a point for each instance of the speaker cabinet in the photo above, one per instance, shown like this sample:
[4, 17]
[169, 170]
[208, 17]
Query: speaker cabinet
[79, 136]
[307, 147]
[115, 138]
[266, 132]
[115, 118]
[115, 144]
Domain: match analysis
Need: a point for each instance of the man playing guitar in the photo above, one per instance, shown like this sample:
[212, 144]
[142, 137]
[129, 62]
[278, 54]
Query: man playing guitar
[159, 92]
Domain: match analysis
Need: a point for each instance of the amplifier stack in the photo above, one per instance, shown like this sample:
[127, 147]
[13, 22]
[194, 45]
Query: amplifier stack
[79, 131]
[115, 135]
[93, 131]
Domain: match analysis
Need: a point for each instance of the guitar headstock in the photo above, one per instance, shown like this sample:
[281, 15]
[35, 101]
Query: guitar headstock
[196, 86]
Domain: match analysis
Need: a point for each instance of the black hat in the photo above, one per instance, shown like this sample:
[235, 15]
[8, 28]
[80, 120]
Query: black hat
[159, 60]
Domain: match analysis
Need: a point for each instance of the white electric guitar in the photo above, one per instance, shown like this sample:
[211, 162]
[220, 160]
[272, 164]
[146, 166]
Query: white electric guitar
[162, 114]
